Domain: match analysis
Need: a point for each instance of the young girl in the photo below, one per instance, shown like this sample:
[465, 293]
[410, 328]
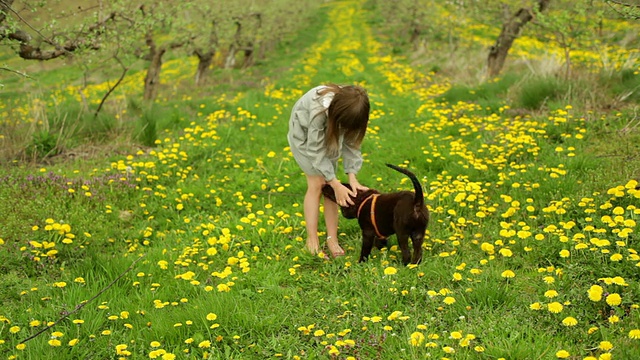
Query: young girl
[326, 122]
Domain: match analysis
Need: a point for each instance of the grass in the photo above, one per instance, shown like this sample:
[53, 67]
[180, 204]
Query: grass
[530, 212]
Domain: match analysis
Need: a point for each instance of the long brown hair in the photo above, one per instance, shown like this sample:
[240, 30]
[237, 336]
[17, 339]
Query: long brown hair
[348, 113]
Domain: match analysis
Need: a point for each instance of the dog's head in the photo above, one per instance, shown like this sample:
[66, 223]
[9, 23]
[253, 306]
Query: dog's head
[351, 211]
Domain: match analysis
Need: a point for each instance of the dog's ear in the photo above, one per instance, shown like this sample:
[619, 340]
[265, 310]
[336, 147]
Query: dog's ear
[350, 212]
[328, 192]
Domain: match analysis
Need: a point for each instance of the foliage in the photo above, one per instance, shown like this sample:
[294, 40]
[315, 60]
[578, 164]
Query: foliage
[539, 91]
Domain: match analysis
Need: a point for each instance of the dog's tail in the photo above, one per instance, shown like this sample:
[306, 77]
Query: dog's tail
[419, 196]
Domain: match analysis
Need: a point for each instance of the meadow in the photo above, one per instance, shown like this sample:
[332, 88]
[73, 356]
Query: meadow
[192, 247]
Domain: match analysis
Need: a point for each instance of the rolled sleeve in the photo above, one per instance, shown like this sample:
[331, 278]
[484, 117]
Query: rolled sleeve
[351, 159]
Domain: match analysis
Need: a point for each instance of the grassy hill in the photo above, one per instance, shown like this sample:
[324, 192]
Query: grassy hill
[181, 235]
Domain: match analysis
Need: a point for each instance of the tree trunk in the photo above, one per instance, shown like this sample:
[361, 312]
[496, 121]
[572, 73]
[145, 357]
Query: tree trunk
[230, 62]
[248, 56]
[510, 31]
[152, 80]
[205, 59]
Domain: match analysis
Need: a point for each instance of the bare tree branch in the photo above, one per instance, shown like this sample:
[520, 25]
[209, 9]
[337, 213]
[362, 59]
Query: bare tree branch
[632, 10]
[84, 303]
[125, 69]
[14, 71]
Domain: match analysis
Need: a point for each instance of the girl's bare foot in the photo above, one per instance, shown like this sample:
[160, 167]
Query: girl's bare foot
[313, 246]
[334, 247]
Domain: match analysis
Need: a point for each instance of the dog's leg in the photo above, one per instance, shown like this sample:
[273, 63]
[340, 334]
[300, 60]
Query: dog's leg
[380, 243]
[403, 242]
[417, 240]
[367, 244]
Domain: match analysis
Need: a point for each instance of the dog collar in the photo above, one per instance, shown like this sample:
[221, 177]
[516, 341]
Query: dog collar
[373, 198]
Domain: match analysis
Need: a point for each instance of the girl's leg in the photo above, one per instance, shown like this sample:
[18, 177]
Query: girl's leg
[312, 211]
[331, 213]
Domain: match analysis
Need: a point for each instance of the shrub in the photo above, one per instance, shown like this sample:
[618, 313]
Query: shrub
[538, 91]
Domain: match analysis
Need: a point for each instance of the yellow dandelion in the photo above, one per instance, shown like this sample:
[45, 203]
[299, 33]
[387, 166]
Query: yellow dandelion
[394, 315]
[614, 299]
[390, 270]
[555, 307]
[562, 354]
[550, 293]
[570, 321]
[449, 300]
[508, 274]
[416, 338]
[595, 293]
[605, 345]
[55, 342]
[634, 334]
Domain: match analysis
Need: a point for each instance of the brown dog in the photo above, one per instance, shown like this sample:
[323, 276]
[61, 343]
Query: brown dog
[381, 215]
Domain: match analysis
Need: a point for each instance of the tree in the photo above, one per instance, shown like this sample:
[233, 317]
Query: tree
[509, 33]
[58, 41]
[625, 9]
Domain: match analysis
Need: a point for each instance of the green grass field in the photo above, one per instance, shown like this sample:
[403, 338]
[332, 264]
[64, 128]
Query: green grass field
[193, 247]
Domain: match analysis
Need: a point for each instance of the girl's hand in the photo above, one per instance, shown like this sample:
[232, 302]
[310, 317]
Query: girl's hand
[355, 185]
[343, 194]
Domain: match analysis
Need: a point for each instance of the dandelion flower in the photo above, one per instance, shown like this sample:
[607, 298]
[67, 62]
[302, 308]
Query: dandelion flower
[508, 274]
[449, 300]
[595, 293]
[394, 315]
[550, 293]
[390, 270]
[416, 338]
[570, 321]
[634, 334]
[605, 345]
[55, 342]
[555, 307]
[535, 306]
[614, 299]
[562, 354]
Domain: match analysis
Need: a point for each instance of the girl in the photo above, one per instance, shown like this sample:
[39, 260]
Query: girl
[326, 122]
